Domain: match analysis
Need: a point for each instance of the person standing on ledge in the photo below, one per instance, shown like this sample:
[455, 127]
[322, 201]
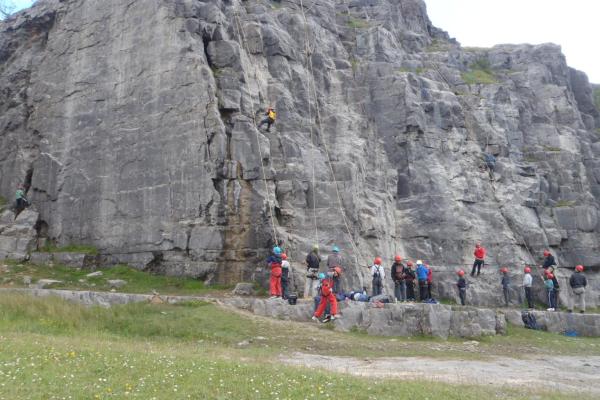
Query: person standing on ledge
[378, 274]
[527, 282]
[20, 199]
[578, 282]
[462, 287]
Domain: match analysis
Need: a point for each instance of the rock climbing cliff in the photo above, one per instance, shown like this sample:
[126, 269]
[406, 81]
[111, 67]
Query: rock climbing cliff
[132, 125]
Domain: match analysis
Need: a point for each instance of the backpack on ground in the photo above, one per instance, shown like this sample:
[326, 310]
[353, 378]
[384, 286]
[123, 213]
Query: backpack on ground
[292, 299]
[529, 320]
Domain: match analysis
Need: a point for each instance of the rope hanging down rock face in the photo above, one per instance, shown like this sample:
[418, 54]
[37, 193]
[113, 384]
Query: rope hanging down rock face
[311, 83]
[242, 37]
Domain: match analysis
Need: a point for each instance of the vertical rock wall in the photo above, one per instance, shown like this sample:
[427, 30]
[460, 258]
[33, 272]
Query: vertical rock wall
[133, 122]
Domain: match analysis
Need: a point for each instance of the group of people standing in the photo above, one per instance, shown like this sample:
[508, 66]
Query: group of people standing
[407, 277]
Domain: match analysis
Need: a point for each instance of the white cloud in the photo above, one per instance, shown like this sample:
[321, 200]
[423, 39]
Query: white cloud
[571, 24]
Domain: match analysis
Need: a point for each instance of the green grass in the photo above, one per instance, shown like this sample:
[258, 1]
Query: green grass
[137, 281]
[597, 97]
[53, 349]
[552, 149]
[70, 248]
[357, 23]
[480, 73]
[437, 46]
[565, 203]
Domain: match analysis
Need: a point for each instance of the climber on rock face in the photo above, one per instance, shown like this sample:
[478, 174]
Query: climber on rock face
[21, 201]
[550, 266]
[274, 262]
[269, 119]
[479, 254]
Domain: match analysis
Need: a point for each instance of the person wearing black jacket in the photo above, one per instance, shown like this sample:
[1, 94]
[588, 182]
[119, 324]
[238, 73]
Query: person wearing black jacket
[578, 282]
[397, 274]
[409, 279]
[549, 265]
[462, 286]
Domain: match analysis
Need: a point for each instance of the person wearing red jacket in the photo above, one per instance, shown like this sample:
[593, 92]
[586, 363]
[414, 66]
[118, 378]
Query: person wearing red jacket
[479, 254]
[429, 281]
[274, 261]
[327, 297]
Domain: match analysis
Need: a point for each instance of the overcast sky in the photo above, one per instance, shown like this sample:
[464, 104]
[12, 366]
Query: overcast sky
[573, 24]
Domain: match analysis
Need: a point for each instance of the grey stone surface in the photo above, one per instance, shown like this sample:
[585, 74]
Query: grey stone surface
[40, 258]
[95, 274]
[18, 236]
[135, 122]
[46, 283]
[244, 289]
[116, 283]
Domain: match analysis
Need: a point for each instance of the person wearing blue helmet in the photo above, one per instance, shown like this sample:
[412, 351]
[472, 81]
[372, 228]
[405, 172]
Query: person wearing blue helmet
[335, 263]
[274, 262]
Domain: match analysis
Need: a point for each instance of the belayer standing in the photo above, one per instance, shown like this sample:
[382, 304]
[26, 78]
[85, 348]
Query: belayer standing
[549, 284]
[527, 283]
[334, 261]
[378, 274]
[422, 278]
[479, 254]
[429, 281]
[397, 273]
[409, 280]
[461, 283]
[285, 276]
[274, 261]
[505, 285]
[550, 266]
[269, 119]
[312, 262]
[578, 282]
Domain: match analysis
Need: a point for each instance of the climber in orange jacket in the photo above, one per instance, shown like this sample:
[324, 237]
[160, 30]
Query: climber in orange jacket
[327, 297]
[274, 261]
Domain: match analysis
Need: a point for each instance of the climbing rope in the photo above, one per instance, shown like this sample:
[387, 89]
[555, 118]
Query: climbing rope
[242, 37]
[357, 252]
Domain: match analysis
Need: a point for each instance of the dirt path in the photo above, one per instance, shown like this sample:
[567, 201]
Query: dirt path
[564, 374]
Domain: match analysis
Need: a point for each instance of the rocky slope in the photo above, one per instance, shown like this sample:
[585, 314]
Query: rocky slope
[132, 125]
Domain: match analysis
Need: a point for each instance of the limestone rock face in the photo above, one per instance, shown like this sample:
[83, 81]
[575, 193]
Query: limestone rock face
[132, 124]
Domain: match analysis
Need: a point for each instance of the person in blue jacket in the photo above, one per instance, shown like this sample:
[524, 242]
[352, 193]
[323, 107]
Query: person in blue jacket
[422, 272]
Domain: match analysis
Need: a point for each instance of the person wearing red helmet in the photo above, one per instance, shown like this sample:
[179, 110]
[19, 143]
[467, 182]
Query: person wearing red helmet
[505, 285]
[527, 282]
[578, 282]
[549, 284]
[335, 260]
[550, 266]
[479, 262]
[397, 274]
[462, 286]
[409, 281]
[378, 274]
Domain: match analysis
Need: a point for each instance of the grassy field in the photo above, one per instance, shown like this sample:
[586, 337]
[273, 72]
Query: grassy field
[75, 279]
[50, 349]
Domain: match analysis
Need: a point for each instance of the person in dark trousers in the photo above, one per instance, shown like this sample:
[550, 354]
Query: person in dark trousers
[378, 274]
[313, 261]
[462, 287]
[409, 281]
[479, 262]
[550, 266]
[269, 119]
[527, 283]
[422, 279]
[505, 285]
[20, 199]
[549, 285]
[397, 273]
[429, 281]
[334, 261]
[285, 276]
[578, 282]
